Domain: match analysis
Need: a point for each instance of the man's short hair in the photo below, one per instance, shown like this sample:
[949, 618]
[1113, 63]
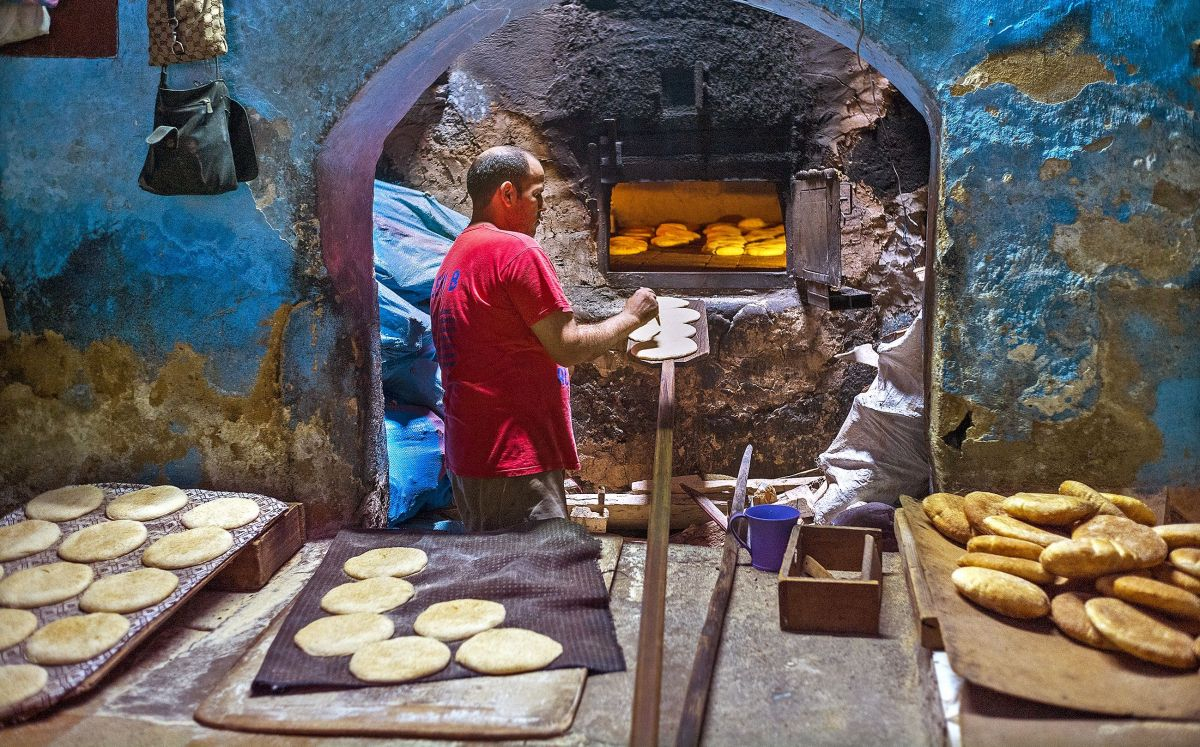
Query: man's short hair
[493, 167]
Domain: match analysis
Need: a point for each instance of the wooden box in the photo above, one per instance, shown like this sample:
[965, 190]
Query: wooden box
[251, 568]
[832, 605]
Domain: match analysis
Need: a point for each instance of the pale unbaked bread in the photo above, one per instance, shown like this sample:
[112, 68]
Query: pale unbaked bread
[64, 504]
[1151, 593]
[343, 635]
[378, 594]
[187, 548]
[1179, 535]
[130, 591]
[458, 619]
[147, 504]
[1146, 546]
[980, 504]
[1067, 612]
[1030, 570]
[508, 651]
[662, 350]
[1088, 557]
[27, 537]
[399, 659]
[77, 638]
[1137, 633]
[44, 584]
[386, 561]
[103, 541]
[671, 302]
[1048, 508]
[1001, 592]
[945, 512]
[226, 513]
[1007, 526]
[20, 681]
[997, 545]
[15, 626]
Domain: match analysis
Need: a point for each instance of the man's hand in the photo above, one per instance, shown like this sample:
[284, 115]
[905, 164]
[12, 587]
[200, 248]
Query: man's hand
[642, 304]
[568, 342]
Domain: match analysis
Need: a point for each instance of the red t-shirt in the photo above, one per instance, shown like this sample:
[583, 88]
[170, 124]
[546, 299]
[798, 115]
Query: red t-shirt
[508, 404]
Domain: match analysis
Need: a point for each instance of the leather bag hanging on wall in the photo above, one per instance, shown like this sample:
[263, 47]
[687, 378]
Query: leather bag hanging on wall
[185, 30]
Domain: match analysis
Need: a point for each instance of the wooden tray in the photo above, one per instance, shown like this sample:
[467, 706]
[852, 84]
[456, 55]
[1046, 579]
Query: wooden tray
[832, 605]
[1032, 660]
[701, 337]
[252, 568]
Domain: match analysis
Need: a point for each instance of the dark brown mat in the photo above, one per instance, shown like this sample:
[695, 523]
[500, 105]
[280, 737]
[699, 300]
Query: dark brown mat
[546, 576]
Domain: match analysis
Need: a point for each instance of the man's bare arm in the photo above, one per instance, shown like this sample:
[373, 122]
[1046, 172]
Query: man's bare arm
[570, 342]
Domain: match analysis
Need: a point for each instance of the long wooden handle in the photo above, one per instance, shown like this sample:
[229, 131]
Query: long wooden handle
[647, 683]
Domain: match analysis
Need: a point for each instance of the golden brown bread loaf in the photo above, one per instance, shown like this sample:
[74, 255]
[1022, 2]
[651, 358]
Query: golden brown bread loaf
[1067, 612]
[1151, 593]
[1001, 592]
[1091, 495]
[1187, 559]
[997, 545]
[1140, 635]
[1088, 557]
[1048, 508]
[1030, 570]
[1179, 535]
[1138, 539]
[945, 511]
[1007, 526]
[1133, 508]
[980, 504]
[1169, 574]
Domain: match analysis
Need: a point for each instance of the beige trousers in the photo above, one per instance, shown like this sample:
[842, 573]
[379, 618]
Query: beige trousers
[488, 503]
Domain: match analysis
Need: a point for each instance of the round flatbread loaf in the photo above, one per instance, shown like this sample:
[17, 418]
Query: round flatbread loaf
[681, 315]
[1007, 526]
[1132, 507]
[103, 541]
[64, 504]
[225, 513]
[77, 638]
[1140, 635]
[1087, 558]
[15, 626]
[1094, 497]
[130, 591]
[663, 350]
[1151, 593]
[458, 619]
[147, 504]
[1187, 559]
[399, 659]
[386, 561]
[27, 537]
[1048, 508]
[343, 635]
[675, 332]
[994, 544]
[187, 548]
[1138, 539]
[671, 302]
[1067, 612]
[1168, 574]
[945, 511]
[378, 594]
[1001, 592]
[44, 584]
[980, 504]
[1030, 570]
[1179, 535]
[20, 681]
[508, 651]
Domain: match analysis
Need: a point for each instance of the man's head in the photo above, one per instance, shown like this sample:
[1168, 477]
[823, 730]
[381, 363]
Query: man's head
[505, 184]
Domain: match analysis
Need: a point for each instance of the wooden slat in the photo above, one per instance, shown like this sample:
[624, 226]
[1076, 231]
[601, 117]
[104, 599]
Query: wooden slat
[930, 632]
[631, 511]
[711, 509]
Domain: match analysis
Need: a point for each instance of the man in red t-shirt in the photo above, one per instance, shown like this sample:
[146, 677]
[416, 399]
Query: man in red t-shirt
[504, 332]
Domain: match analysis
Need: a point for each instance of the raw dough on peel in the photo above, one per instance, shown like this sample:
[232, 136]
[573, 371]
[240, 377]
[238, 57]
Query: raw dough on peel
[20, 681]
[147, 504]
[675, 332]
[187, 548]
[77, 638]
[103, 541]
[669, 329]
[399, 659]
[458, 619]
[508, 651]
[671, 302]
[677, 316]
[378, 594]
[15, 626]
[386, 561]
[130, 591]
[27, 537]
[662, 350]
[64, 504]
[44, 584]
[226, 513]
[342, 635]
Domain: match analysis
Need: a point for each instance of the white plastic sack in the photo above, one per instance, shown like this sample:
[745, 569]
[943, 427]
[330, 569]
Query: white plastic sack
[881, 450]
[21, 22]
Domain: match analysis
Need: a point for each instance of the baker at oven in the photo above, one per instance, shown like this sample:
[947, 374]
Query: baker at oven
[504, 333]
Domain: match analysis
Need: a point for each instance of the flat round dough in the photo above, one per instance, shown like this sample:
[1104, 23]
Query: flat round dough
[508, 651]
[77, 638]
[226, 513]
[399, 659]
[458, 619]
[343, 635]
[147, 504]
[15, 626]
[130, 591]
[378, 594]
[64, 504]
[663, 350]
[678, 316]
[27, 537]
[44, 584]
[103, 541]
[675, 331]
[386, 561]
[20, 681]
[187, 548]
[671, 302]
[646, 332]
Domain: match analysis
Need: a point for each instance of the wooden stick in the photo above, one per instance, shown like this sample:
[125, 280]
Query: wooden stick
[709, 507]
[815, 569]
[695, 702]
[647, 683]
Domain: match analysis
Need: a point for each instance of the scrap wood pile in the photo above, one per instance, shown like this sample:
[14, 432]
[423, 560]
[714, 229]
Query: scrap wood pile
[1095, 563]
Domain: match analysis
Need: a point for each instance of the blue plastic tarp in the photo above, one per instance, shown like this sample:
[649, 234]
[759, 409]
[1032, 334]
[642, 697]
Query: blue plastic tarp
[416, 478]
[410, 371]
[412, 232]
